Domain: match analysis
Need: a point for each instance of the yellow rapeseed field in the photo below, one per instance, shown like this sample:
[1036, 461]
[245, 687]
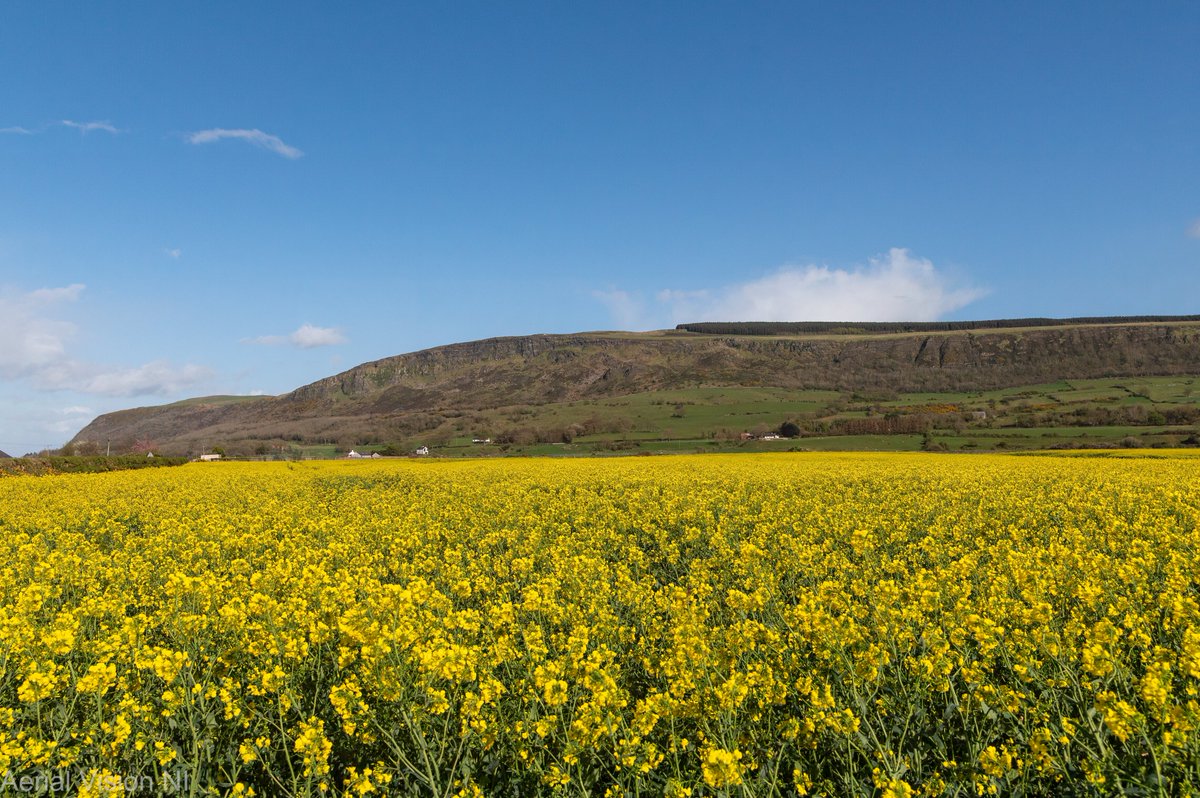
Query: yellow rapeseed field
[812, 624]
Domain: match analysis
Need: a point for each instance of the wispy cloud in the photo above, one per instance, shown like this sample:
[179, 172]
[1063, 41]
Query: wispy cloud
[254, 136]
[267, 340]
[34, 340]
[157, 378]
[628, 310]
[88, 127]
[37, 350]
[83, 127]
[307, 336]
[69, 420]
[173, 252]
[892, 287]
[1194, 230]
[67, 293]
[33, 343]
[31, 421]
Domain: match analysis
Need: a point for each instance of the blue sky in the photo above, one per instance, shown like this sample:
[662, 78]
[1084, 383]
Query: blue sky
[244, 197]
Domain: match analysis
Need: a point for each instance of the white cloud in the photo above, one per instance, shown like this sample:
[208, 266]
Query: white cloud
[33, 341]
[255, 136]
[267, 340]
[17, 129]
[72, 419]
[88, 127]
[628, 310]
[891, 287]
[37, 350]
[63, 427]
[158, 378]
[173, 253]
[45, 296]
[1194, 230]
[307, 336]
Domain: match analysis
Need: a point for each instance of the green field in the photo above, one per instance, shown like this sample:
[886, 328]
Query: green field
[1084, 413]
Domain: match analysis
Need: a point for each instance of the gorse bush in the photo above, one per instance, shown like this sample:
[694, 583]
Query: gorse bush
[889, 625]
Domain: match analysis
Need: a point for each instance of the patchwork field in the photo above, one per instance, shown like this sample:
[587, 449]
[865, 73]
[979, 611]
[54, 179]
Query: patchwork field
[1108, 412]
[774, 624]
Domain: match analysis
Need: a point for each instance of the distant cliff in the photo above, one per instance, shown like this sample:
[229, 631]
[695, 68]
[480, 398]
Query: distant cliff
[397, 394]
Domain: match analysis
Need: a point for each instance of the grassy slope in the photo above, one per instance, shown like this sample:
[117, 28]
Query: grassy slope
[215, 400]
[689, 419]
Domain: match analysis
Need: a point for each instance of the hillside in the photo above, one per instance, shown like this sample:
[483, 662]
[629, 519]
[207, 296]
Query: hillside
[499, 386]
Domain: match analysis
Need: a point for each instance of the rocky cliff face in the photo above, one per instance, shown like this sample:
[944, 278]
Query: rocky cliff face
[541, 369]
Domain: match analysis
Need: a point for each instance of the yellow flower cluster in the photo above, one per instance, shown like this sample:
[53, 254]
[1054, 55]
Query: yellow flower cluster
[813, 624]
